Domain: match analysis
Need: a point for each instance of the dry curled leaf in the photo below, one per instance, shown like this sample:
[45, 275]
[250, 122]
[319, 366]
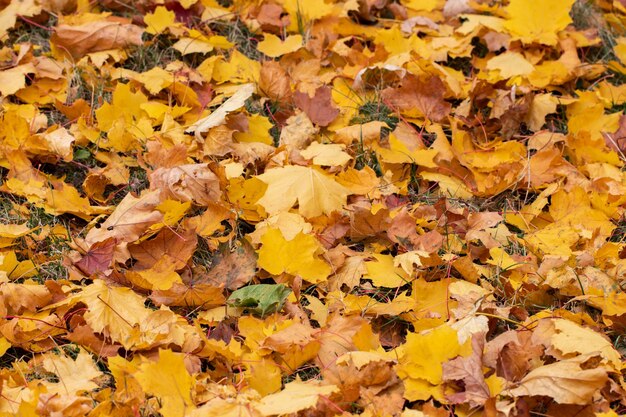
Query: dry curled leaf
[96, 36]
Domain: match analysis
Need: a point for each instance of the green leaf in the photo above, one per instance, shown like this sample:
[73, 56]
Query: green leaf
[260, 299]
[81, 154]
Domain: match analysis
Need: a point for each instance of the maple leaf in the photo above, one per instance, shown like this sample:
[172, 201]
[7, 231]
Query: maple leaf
[469, 370]
[565, 381]
[95, 36]
[273, 46]
[113, 311]
[261, 299]
[131, 218]
[315, 192]
[421, 359]
[168, 380]
[217, 117]
[425, 95]
[525, 24]
[298, 256]
[8, 15]
[177, 246]
[99, 257]
[194, 182]
[74, 375]
[234, 269]
[297, 396]
[318, 107]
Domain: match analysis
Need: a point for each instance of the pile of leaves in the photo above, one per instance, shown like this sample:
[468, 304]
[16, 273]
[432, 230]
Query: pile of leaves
[278, 207]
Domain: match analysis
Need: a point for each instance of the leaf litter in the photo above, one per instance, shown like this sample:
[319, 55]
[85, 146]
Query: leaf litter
[270, 208]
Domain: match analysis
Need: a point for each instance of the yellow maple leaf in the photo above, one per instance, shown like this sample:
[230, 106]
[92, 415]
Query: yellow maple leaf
[450, 186]
[159, 20]
[305, 11]
[296, 396]
[330, 154]
[315, 192]
[113, 311]
[74, 375]
[399, 153]
[421, 358]
[262, 374]
[273, 46]
[258, 130]
[9, 14]
[14, 268]
[168, 380]
[508, 65]
[298, 256]
[13, 231]
[161, 276]
[384, 273]
[502, 260]
[239, 69]
[527, 23]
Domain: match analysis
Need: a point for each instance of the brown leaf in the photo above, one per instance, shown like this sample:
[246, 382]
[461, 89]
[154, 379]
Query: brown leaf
[336, 338]
[617, 140]
[469, 370]
[566, 382]
[178, 246]
[132, 217]
[110, 33]
[84, 335]
[194, 295]
[298, 132]
[319, 108]
[235, 269]
[511, 354]
[192, 182]
[296, 335]
[429, 242]
[368, 379]
[99, 257]
[403, 231]
[365, 224]
[274, 82]
[425, 95]
[272, 17]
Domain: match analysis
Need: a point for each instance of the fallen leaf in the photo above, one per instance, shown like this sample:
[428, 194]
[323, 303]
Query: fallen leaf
[297, 396]
[274, 47]
[424, 95]
[298, 256]
[99, 257]
[193, 182]
[319, 107]
[216, 118]
[565, 381]
[158, 378]
[95, 36]
[315, 192]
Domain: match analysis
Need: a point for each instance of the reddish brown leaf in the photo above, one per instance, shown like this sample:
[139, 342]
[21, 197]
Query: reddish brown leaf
[183, 295]
[99, 257]
[469, 370]
[178, 246]
[233, 270]
[274, 82]
[272, 17]
[425, 95]
[319, 108]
